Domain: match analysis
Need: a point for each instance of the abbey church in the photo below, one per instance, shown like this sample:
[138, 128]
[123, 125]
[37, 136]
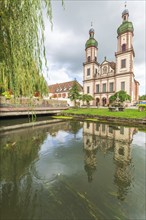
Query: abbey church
[103, 80]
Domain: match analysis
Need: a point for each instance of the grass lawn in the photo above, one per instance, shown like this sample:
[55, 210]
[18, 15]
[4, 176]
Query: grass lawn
[127, 113]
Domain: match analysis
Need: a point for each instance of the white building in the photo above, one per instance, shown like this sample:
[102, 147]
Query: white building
[103, 80]
[60, 91]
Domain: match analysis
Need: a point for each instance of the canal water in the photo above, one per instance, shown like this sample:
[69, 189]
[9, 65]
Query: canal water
[73, 171]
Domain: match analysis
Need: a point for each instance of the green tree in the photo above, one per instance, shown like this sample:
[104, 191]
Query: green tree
[122, 95]
[87, 98]
[22, 45]
[74, 94]
[143, 97]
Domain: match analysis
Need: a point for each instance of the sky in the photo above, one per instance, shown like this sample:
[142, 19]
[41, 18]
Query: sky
[65, 44]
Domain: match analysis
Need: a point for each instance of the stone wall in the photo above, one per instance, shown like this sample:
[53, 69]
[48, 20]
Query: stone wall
[24, 102]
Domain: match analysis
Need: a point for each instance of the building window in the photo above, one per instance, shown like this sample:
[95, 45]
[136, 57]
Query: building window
[89, 58]
[123, 47]
[88, 89]
[123, 86]
[121, 151]
[104, 87]
[97, 88]
[95, 59]
[123, 63]
[111, 87]
[88, 72]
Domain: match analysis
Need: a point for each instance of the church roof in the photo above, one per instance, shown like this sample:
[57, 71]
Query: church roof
[112, 65]
[125, 27]
[91, 42]
[63, 87]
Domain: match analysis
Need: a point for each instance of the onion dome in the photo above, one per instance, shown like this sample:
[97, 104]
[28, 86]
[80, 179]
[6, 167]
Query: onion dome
[126, 26]
[91, 42]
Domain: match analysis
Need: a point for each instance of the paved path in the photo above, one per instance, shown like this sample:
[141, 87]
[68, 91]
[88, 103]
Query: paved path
[17, 111]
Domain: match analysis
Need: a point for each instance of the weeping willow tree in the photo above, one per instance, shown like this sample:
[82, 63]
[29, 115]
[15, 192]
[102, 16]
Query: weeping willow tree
[22, 46]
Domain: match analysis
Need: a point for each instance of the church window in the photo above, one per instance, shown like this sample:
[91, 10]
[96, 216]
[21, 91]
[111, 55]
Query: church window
[123, 63]
[123, 86]
[97, 88]
[124, 18]
[88, 89]
[89, 58]
[111, 87]
[88, 72]
[123, 47]
[121, 151]
[104, 87]
[104, 69]
[95, 59]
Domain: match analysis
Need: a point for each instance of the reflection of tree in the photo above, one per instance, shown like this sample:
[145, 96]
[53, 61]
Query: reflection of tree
[75, 126]
[19, 189]
[18, 150]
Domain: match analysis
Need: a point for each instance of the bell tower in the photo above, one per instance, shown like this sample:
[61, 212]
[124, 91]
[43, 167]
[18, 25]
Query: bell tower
[125, 55]
[90, 66]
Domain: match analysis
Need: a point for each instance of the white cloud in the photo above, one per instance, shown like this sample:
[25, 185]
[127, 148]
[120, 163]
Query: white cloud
[58, 75]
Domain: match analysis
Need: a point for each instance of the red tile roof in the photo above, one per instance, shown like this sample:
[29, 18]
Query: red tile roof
[63, 87]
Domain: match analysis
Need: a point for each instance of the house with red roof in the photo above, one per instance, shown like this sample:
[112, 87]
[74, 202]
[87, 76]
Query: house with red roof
[60, 91]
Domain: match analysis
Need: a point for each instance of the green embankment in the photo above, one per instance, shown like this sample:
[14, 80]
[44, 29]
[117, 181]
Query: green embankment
[127, 113]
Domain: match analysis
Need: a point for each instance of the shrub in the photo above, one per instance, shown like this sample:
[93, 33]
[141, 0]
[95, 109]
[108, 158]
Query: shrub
[142, 107]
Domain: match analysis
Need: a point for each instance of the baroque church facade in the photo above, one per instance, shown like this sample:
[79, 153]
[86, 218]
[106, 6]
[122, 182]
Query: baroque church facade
[103, 80]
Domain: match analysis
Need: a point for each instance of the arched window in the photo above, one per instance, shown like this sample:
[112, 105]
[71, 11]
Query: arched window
[89, 58]
[123, 47]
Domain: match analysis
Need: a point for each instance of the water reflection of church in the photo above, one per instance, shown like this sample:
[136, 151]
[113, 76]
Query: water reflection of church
[106, 138]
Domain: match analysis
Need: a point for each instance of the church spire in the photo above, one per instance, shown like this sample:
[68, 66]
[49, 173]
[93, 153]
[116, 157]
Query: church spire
[125, 13]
